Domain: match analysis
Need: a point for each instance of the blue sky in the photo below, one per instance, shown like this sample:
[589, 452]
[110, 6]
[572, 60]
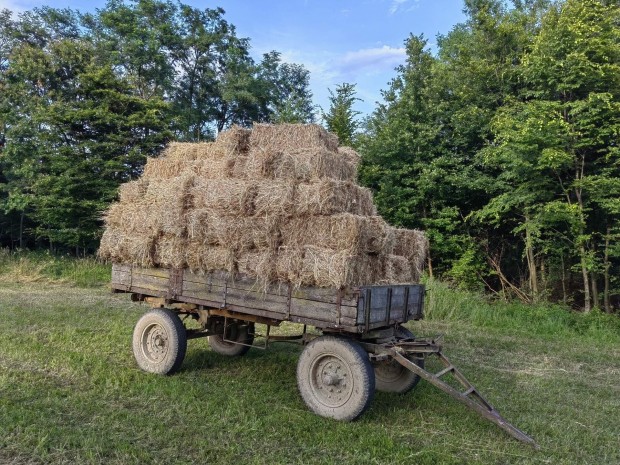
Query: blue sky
[339, 41]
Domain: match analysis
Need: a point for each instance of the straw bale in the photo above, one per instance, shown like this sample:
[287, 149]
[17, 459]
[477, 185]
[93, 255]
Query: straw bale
[393, 269]
[119, 247]
[413, 245]
[213, 168]
[353, 233]
[224, 196]
[132, 218]
[238, 233]
[234, 141]
[133, 191]
[258, 264]
[170, 251]
[299, 164]
[164, 167]
[289, 137]
[330, 197]
[289, 264]
[169, 201]
[275, 198]
[202, 259]
[324, 267]
[351, 156]
[187, 151]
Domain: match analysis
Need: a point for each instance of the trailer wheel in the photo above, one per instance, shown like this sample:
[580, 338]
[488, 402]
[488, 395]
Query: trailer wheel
[159, 342]
[391, 376]
[240, 332]
[335, 378]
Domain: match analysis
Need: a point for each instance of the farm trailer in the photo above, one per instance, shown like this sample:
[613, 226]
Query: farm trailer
[362, 346]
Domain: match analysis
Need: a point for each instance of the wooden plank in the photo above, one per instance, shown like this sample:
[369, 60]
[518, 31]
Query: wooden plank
[315, 310]
[196, 287]
[248, 284]
[150, 282]
[157, 272]
[161, 290]
[276, 304]
[148, 292]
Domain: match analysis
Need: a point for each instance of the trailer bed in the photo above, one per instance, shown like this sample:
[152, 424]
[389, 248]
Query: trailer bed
[355, 310]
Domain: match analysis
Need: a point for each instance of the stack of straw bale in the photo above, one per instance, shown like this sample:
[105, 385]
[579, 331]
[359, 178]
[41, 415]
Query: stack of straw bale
[277, 203]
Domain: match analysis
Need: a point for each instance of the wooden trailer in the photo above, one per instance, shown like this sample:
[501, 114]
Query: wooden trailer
[362, 344]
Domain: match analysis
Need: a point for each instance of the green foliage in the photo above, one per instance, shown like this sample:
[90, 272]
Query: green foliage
[84, 99]
[341, 117]
[507, 140]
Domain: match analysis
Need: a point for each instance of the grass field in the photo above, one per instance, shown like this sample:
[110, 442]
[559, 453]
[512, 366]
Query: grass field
[70, 391]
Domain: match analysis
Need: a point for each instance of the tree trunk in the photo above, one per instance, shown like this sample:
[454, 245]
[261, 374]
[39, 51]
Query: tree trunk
[430, 265]
[564, 296]
[586, 286]
[595, 301]
[531, 262]
[606, 267]
[21, 230]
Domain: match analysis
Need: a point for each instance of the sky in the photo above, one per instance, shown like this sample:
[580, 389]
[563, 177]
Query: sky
[355, 41]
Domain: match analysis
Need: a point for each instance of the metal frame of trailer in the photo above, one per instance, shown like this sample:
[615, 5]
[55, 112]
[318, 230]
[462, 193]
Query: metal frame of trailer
[363, 345]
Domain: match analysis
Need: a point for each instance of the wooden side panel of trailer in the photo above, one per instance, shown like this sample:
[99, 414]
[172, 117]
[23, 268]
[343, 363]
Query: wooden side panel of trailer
[356, 310]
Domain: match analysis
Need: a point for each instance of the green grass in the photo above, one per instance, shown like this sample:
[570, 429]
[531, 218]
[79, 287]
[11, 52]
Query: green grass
[43, 267]
[70, 391]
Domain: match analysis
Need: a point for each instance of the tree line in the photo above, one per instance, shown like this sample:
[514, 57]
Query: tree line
[503, 146]
[501, 141]
[85, 98]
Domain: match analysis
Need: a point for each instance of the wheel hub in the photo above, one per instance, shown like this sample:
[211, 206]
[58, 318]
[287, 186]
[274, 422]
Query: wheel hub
[154, 343]
[331, 380]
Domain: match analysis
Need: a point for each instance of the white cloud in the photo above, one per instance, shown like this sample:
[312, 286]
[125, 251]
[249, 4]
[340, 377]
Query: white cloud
[372, 60]
[401, 5]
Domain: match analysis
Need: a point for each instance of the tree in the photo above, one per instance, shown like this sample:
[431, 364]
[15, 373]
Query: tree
[74, 132]
[285, 91]
[558, 142]
[341, 117]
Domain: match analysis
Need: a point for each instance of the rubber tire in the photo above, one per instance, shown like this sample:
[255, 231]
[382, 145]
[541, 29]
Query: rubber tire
[349, 358]
[167, 330]
[230, 349]
[391, 376]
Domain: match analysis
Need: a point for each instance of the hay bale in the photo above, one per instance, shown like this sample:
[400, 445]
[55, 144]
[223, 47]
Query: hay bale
[258, 264]
[203, 259]
[413, 245]
[133, 191]
[330, 197]
[324, 267]
[133, 218]
[393, 269]
[353, 233]
[299, 164]
[177, 158]
[289, 264]
[232, 142]
[290, 137]
[238, 233]
[187, 151]
[213, 168]
[170, 251]
[275, 198]
[119, 247]
[352, 158]
[169, 201]
[224, 196]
